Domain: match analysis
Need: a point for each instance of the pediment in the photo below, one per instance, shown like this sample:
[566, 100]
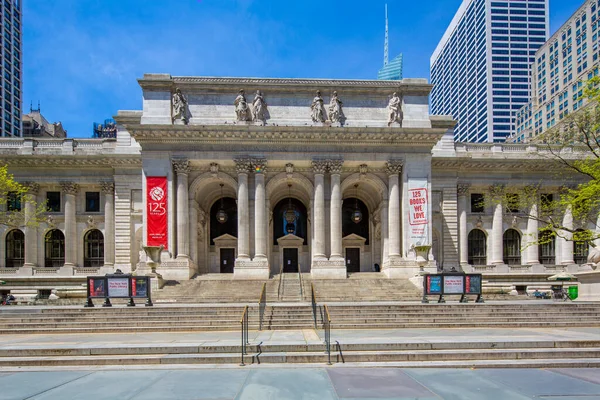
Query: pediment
[354, 238]
[226, 238]
[290, 240]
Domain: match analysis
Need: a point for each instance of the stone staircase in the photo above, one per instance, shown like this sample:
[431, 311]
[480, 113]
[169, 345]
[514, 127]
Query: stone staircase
[442, 353]
[366, 286]
[290, 288]
[218, 288]
[190, 318]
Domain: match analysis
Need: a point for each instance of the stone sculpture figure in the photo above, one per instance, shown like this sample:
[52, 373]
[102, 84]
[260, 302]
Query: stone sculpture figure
[180, 107]
[241, 107]
[317, 108]
[259, 108]
[336, 114]
[394, 108]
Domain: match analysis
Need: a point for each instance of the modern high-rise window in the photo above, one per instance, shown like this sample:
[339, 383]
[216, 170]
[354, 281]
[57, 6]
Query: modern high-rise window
[11, 67]
[480, 68]
[558, 75]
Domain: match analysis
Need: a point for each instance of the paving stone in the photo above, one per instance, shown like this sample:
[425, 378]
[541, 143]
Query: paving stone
[591, 375]
[288, 384]
[27, 384]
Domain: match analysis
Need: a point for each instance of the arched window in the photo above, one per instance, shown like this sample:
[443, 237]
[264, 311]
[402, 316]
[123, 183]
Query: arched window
[93, 250]
[282, 227]
[349, 227]
[15, 249]
[512, 247]
[55, 249]
[580, 251]
[547, 248]
[477, 244]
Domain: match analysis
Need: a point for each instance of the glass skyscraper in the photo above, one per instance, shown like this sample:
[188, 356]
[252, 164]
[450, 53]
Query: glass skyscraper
[480, 68]
[392, 71]
[10, 121]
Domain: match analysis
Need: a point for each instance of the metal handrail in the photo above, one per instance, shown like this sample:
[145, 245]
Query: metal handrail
[313, 299]
[327, 329]
[245, 342]
[262, 305]
[279, 288]
[301, 284]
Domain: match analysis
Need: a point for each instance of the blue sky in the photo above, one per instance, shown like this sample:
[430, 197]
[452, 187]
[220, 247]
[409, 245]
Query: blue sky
[81, 58]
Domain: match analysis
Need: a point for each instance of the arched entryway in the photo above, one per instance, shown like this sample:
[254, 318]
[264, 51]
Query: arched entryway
[290, 234]
[223, 234]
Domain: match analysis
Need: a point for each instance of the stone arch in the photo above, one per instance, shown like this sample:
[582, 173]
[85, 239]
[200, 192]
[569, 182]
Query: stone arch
[371, 198]
[208, 184]
[277, 190]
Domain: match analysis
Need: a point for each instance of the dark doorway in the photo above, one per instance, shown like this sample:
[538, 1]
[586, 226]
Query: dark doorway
[353, 260]
[290, 260]
[227, 261]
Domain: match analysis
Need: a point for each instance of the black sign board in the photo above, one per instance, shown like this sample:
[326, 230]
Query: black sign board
[118, 286]
[452, 284]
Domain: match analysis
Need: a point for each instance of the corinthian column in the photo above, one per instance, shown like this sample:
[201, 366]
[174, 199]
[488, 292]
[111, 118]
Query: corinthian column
[567, 243]
[335, 168]
[463, 190]
[30, 229]
[532, 235]
[497, 230]
[242, 167]
[182, 169]
[319, 168]
[260, 208]
[394, 169]
[108, 188]
[70, 190]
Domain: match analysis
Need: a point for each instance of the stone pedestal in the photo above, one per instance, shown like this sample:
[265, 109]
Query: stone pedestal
[399, 268]
[328, 269]
[257, 269]
[589, 285]
[176, 269]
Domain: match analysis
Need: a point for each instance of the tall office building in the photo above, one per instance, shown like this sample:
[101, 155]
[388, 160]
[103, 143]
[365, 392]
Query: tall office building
[10, 119]
[391, 71]
[480, 68]
[558, 75]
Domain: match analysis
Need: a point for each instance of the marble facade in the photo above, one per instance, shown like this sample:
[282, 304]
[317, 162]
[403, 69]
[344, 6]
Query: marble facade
[211, 154]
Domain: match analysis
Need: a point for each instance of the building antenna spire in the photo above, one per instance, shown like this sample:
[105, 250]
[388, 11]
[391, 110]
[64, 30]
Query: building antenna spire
[385, 46]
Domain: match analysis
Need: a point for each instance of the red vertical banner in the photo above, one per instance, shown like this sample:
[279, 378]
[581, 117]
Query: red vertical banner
[156, 210]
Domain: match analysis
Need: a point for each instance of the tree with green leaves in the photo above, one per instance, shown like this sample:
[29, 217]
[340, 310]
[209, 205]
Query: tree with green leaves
[18, 206]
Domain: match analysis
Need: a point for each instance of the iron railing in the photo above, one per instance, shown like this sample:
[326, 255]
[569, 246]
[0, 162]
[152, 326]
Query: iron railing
[327, 329]
[279, 288]
[262, 305]
[244, 326]
[301, 284]
[313, 299]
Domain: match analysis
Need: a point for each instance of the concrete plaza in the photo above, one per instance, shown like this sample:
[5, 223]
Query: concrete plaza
[303, 383]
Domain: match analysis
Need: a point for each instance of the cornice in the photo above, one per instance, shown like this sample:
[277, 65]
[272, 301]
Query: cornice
[167, 82]
[315, 136]
[57, 161]
[539, 164]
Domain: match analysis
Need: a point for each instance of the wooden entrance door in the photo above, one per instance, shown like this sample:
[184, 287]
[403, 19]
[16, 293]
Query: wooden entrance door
[227, 261]
[290, 260]
[352, 260]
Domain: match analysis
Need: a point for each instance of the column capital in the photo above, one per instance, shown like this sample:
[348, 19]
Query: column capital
[32, 187]
[335, 166]
[69, 187]
[181, 165]
[242, 165]
[319, 167]
[107, 187]
[394, 167]
[462, 189]
[259, 165]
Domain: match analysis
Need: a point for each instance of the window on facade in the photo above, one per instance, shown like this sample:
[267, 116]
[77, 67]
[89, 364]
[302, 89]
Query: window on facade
[477, 203]
[54, 254]
[512, 203]
[580, 251]
[15, 249]
[512, 247]
[477, 247]
[13, 201]
[92, 201]
[547, 248]
[93, 249]
[53, 201]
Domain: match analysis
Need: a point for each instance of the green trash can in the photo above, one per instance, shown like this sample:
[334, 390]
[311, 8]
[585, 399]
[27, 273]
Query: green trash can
[573, 292]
